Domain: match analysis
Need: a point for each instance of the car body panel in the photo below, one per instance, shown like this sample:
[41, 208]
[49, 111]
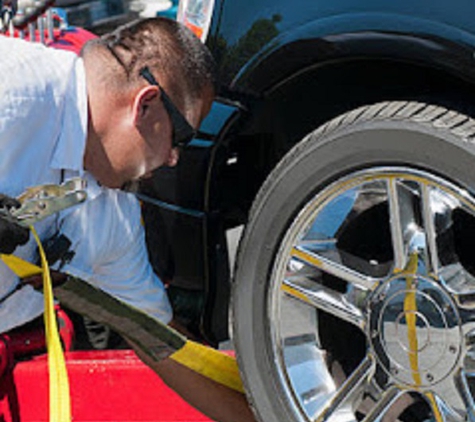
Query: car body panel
[246, 35]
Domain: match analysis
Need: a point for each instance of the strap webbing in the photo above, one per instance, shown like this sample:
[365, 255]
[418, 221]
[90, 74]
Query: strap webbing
[154, 338]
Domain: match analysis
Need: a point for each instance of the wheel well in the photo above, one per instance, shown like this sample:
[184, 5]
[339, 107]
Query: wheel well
[284, 115]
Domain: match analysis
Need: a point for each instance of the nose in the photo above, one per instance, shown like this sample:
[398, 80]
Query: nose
[173, 157]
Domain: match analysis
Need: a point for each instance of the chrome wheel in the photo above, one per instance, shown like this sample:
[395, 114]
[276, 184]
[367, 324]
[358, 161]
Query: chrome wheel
[371, 300]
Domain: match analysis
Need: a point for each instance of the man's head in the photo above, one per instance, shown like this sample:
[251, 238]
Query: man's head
[148, 82]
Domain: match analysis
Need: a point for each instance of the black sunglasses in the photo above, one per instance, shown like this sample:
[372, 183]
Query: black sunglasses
[182, 131]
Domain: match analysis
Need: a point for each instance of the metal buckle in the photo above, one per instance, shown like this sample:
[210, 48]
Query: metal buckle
[39, 202]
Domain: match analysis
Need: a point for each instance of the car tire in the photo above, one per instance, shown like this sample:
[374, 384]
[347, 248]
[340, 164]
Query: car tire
[353, 290]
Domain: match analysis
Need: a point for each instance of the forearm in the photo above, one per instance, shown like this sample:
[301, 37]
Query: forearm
[214, 400]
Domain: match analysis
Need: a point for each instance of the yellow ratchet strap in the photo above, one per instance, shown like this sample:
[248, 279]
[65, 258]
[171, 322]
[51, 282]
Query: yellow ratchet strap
[210, 363]
[59, 397]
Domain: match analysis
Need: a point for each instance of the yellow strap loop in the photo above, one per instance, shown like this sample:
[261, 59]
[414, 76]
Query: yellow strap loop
[59, 398]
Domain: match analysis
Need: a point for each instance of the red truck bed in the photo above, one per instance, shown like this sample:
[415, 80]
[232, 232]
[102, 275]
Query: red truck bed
[105, 386]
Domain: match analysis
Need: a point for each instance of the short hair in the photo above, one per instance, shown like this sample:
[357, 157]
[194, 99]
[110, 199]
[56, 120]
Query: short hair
[166, 47]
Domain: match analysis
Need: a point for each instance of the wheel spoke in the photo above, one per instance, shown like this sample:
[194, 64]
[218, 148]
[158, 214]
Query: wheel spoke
[432, 260]
[331, 267]
[352, 389]
[468, 332]
[383, 406]
[442, 413]
[451, 399]
[463, 381]
[324, 299]
[396, 223]
[407, 235]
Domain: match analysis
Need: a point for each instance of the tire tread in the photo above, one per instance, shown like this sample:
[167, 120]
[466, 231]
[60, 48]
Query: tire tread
[438, 117]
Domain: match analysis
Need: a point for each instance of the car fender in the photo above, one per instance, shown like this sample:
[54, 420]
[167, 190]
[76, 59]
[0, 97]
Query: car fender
[350, 36]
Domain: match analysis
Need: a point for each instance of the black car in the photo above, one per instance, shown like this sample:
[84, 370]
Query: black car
[342, 140]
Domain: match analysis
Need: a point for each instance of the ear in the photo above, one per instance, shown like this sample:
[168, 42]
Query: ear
[144, 103]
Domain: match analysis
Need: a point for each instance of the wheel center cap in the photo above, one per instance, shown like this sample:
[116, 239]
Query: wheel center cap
[415, 331]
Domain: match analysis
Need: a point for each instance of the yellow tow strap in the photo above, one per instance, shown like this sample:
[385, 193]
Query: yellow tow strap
[59, 398]
[210, 363]
[410, 309]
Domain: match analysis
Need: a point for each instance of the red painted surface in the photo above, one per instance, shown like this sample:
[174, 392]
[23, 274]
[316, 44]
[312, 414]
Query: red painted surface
[105, 386]
[71, 39]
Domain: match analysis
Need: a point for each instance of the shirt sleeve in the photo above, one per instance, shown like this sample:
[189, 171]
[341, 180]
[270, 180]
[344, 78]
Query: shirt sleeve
[110, 253]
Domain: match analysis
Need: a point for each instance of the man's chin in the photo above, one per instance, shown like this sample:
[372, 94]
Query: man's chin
[116, 182]
[109, 184]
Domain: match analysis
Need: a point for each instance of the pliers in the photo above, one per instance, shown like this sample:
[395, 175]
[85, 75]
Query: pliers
[39, 202]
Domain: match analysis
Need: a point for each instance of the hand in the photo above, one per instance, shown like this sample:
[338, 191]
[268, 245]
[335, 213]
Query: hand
[11, 234]
[36, 281]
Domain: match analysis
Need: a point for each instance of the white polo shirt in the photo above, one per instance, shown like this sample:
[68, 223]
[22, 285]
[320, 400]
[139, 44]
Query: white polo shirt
[43, 123]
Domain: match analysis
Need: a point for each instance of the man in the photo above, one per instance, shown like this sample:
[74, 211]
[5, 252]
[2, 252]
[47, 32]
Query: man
[112, 117]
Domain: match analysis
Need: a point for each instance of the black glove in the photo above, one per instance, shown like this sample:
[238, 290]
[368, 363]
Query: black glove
[11, 234]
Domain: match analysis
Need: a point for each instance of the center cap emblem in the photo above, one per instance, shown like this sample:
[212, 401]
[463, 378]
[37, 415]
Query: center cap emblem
[415, 331]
